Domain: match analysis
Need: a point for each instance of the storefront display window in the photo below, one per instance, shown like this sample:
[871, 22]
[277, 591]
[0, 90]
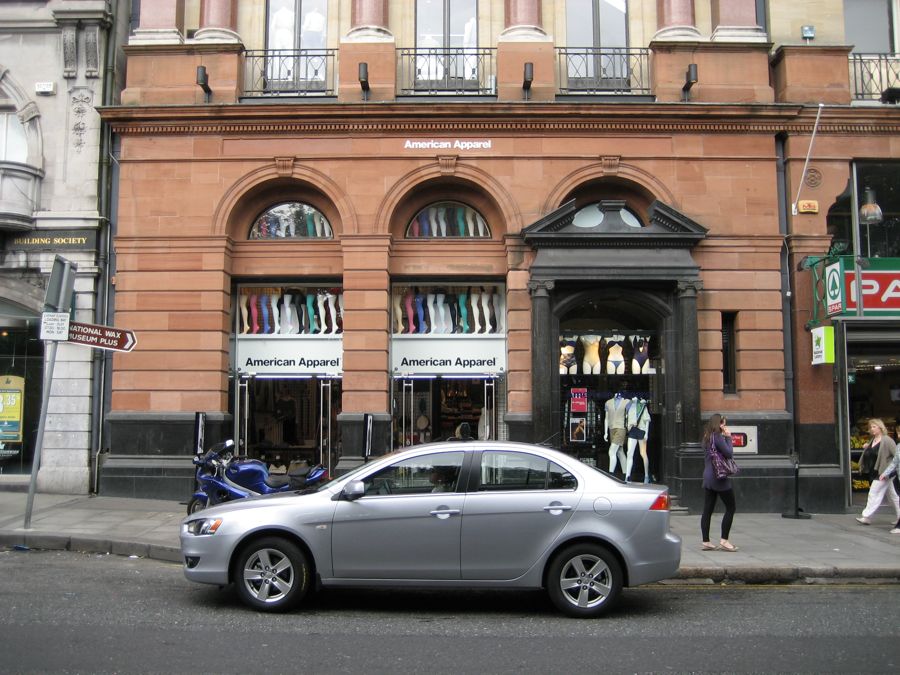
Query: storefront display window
[21, 365]
[451, 308]
[290, 310]
[608, 390]
[448, 220]
[291, 220]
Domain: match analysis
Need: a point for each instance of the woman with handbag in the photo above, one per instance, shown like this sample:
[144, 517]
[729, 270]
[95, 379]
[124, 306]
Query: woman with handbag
[884, 449]
[716, 438]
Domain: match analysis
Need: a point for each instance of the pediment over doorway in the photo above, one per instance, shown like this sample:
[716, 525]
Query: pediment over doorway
[614, 227]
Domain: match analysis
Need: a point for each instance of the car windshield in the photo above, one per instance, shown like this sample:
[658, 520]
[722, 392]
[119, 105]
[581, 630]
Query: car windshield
[344, 476]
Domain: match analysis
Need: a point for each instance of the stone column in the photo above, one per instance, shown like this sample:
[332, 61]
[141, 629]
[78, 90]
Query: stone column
[543, 351]
[522, 16]
[522, 41]
[218, 21]
[735, 21]
[161, 22]
[675, 20]
[690, 364]
[369, 20]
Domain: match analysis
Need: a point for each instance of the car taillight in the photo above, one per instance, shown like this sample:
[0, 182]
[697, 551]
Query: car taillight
[661, 503]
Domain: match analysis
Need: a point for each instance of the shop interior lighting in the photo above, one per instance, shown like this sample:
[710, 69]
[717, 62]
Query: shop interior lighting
[870, 213]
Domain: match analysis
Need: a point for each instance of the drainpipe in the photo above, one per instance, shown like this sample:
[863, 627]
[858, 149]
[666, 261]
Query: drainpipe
[787, 295]
[101, 359]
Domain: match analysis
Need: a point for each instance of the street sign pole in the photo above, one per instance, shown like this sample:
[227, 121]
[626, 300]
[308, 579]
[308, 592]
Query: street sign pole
[58, 299]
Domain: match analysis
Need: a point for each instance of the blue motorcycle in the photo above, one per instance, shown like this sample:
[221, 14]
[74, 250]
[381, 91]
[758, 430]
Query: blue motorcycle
[222, 478]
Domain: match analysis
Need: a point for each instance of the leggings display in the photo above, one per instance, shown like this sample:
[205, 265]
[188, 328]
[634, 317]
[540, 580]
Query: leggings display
[288, 311]
[453, 310]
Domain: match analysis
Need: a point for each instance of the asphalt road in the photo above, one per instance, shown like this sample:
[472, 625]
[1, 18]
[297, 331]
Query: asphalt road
[66, 612]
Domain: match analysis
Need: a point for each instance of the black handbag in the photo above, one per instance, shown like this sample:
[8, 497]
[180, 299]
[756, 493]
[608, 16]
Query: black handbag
[634, 432]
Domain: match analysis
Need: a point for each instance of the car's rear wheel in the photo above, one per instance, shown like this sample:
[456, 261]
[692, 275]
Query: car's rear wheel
[584, 580]
[272, 574]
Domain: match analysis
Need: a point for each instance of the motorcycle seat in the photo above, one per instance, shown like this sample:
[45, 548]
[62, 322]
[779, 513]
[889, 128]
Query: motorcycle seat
[277, 481]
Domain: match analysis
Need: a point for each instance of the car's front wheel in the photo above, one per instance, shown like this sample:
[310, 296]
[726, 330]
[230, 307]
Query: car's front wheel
[272, 574]
[584, 580]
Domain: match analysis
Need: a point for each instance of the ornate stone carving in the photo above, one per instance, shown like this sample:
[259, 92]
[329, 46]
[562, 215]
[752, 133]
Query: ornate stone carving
[82, 101]
[540, 287]
[284, 166]
[690, 288]
[70, 51]
[610, 164]
[447, 164]
[92, 51]
[813, 178]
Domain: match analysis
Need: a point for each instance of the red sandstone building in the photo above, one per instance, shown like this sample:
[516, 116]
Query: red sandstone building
[520, 215]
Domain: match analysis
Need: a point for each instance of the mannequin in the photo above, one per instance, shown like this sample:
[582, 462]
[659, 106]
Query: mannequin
[591, 362]
[311, 312]
[486, 308]
[614, 430]
[637, 418]
[340, 306]
[243, 299]
[476, 313]
[310, 225]
[567, 365]
[398, 309]
[499, 311]
[414, 227]
[640, 362]
[432, 313]
[463, 325]
[296, 313]
[332, 310]
[470, 220]
[303, 313]
[273, 301]
[461, 221]
[444, 326]
[286, 313]
[442, 222]
[420, 312]
[263, 302]
[410, 317]
[615, 360]
[482, 226]
[254, 314]
[317, 220]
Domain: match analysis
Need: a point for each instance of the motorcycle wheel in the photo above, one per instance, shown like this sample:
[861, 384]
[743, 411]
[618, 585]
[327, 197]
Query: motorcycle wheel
[272, 574]
[196, 504]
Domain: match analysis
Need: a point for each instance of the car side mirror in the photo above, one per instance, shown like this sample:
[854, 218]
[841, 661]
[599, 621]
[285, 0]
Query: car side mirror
[354, 490]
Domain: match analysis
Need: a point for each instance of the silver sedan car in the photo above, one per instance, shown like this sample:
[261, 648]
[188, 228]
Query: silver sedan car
[468, 514]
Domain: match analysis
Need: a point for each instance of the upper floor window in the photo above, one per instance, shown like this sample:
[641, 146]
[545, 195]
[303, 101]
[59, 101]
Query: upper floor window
[448, 220]
[867, 26]
[13, 145]
[442, 23]
[292, 220]
[607, 215]
[597, 23]
[297, 24]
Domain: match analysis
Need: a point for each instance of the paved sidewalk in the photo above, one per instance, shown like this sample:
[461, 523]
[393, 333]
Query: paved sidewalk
[828, 548]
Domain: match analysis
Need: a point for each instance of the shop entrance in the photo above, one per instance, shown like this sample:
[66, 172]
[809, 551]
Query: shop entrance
[432, 409]
[282, 419]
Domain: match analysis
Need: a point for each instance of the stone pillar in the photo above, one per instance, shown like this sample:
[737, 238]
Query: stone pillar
[368, 20]
[218, 21]
[543, 351]
[735, 21]
[161, 22]
[675, 20]
[691, 424]
[522, 41]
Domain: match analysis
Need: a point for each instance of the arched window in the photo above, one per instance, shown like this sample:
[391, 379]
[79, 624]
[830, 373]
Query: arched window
[13, 145]
[609, 215]
[291, 220]
[446, 220]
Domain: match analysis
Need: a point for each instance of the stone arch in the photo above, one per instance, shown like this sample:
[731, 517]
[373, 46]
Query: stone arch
[645, 187]
[28, 114]
[645, 301]
[248, 194]
[401, 198]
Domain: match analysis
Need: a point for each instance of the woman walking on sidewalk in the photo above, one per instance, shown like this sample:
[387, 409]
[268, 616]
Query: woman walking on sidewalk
[886, 450]
[717, 435]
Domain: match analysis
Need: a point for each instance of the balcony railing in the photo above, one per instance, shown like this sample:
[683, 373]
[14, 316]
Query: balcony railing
[872, 74]
[457, 71]
[290, 72]
[603, 71]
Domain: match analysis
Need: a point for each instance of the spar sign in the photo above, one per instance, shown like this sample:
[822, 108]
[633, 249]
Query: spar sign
[880, 282]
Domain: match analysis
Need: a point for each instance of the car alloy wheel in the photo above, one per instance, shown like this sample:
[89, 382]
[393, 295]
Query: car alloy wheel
[272, 574]
[584, 580]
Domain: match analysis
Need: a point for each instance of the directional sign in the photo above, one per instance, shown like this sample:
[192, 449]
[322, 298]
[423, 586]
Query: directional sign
[101, 337]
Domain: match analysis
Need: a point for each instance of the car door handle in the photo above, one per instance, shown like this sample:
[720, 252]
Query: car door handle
[557, 507]
[443, 514]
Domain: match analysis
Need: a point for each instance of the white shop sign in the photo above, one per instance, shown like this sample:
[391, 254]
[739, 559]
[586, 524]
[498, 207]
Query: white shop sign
[448, 355]
[290, 355]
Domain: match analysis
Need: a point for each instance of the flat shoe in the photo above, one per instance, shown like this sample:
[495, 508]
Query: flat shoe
[708, 547]
[728, 546]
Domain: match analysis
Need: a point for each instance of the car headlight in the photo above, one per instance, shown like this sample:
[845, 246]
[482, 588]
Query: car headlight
[202, 526]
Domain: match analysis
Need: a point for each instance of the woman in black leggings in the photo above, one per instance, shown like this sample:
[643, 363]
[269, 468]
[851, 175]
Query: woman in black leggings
[716, 433]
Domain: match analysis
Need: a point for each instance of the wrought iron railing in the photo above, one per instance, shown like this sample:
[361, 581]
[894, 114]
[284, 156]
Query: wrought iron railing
[290, 72]
[599, 70]
[872, 74]
[458, 71]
